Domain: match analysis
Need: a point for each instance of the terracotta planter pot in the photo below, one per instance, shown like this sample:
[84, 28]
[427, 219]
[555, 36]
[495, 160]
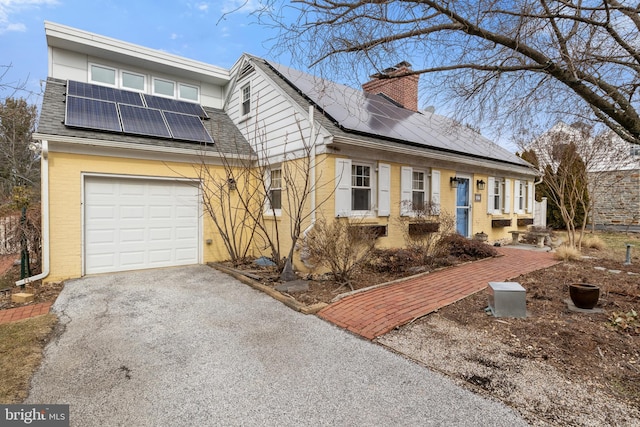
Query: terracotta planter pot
[584, 295]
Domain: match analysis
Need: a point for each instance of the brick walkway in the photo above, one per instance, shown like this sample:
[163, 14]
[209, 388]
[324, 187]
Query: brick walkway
[24, 312]
[376, 312]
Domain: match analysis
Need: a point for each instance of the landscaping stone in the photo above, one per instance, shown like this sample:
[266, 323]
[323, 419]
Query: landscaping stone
[21, 297]
[293, 286]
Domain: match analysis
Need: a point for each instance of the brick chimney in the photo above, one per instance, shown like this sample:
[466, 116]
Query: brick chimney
[403, 90]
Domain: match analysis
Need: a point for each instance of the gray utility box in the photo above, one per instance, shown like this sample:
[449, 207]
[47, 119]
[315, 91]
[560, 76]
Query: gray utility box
[507, 299]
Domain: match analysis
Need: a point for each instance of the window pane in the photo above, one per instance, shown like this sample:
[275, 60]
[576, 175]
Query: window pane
[418, 181]
[103, 75]
[163, 87]
[132, 81]
[276, 199]
[360, 199]
[246, 100]
[188, 92]
[418, 200]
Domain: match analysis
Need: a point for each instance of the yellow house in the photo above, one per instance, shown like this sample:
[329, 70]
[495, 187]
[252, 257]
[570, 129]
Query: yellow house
[133, 140]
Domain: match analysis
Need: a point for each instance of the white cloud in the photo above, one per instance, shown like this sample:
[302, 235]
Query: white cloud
[203, 7]
[173, 36]
[244, 6]
[10, 8]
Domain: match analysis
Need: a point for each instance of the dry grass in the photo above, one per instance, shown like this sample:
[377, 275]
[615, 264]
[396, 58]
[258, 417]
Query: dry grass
[594, 242]
[21, 345]
[567, 253]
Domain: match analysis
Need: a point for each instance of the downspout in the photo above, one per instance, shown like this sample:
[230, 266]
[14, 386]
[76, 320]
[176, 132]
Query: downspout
[44, 202]
[312, 171]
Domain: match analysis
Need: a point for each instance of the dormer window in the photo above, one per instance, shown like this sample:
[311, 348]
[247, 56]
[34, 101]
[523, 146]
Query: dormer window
[103, 75]
[133, 81]
[164, 88]
[246, 99]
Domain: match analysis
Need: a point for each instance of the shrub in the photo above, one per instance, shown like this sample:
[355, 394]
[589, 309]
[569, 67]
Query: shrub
[423, 230]
[339, 246]
[393, 260]
[466, 249]
[567, 253]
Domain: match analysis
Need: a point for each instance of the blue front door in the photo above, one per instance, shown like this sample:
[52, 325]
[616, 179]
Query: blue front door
[463, 207]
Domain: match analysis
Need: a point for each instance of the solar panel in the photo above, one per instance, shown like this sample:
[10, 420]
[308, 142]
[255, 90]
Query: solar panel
[187, 127]
[167, 104]
[374, 115]
[143, 121]
[91, 114]
[104, 93]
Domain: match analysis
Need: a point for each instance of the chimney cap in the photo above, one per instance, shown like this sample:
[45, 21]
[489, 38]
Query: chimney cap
[390, 70]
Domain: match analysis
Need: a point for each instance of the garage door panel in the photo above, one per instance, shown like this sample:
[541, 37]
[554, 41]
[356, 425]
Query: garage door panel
[136, 223]
[100, 212]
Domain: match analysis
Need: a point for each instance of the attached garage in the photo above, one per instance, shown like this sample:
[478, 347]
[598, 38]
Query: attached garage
[138, 223]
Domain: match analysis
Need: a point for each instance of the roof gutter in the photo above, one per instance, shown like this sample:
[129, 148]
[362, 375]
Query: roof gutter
[439, 155]
[44, 202]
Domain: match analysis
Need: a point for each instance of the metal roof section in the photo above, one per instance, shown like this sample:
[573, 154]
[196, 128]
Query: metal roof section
[363, 113]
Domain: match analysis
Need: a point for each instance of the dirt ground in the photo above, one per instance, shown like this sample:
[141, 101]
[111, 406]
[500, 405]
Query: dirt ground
[10, 272]
[557, 366]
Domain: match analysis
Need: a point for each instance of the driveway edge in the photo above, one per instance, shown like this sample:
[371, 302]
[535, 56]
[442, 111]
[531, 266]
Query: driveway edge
[286, 300]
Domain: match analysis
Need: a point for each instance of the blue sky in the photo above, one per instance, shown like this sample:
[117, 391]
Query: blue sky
[193, 29]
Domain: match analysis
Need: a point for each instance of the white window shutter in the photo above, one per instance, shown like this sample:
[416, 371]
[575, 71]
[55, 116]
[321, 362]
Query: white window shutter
[406, 186]
[267, 187]
[435, 192]
[507, 196]
[491, 196]
[384, 189]
[516, 196]
[343, 187]
[530, 196]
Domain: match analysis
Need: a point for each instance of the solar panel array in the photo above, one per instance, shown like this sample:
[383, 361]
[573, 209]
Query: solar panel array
[108, 109]
[372, 114]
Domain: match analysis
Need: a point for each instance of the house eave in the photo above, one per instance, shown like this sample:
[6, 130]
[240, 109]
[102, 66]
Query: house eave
[72, 39]
[141, 148]
[426, 152]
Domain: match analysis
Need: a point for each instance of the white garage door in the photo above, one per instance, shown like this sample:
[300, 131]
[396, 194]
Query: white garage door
[132, 224]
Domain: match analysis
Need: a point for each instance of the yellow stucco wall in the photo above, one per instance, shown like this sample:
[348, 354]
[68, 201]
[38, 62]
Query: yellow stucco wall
[65, 210]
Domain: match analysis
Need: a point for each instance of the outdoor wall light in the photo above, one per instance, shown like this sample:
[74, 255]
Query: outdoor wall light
[480, 184]
[453, 181]
[232, 183]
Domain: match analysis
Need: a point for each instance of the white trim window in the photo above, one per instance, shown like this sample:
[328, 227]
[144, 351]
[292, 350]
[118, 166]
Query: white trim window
[520, 189]
[245, 100]
[188, 92]
[419, 189]
[102, 75]
[494, 199]
[361, 188]
[163, 87]
[133, 81]
[275, 189]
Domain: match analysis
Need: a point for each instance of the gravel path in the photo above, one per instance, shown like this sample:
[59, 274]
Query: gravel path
[540, 393]
[191, 346]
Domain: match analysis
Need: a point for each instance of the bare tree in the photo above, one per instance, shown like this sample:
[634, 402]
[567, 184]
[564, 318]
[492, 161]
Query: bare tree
[19, 164]
[248, 212]
[507, 60]
[579, 168]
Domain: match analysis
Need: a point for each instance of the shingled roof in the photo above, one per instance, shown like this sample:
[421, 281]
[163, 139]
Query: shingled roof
[227, 138]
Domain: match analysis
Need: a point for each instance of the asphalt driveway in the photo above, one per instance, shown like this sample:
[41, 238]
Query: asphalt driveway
[193, 346]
